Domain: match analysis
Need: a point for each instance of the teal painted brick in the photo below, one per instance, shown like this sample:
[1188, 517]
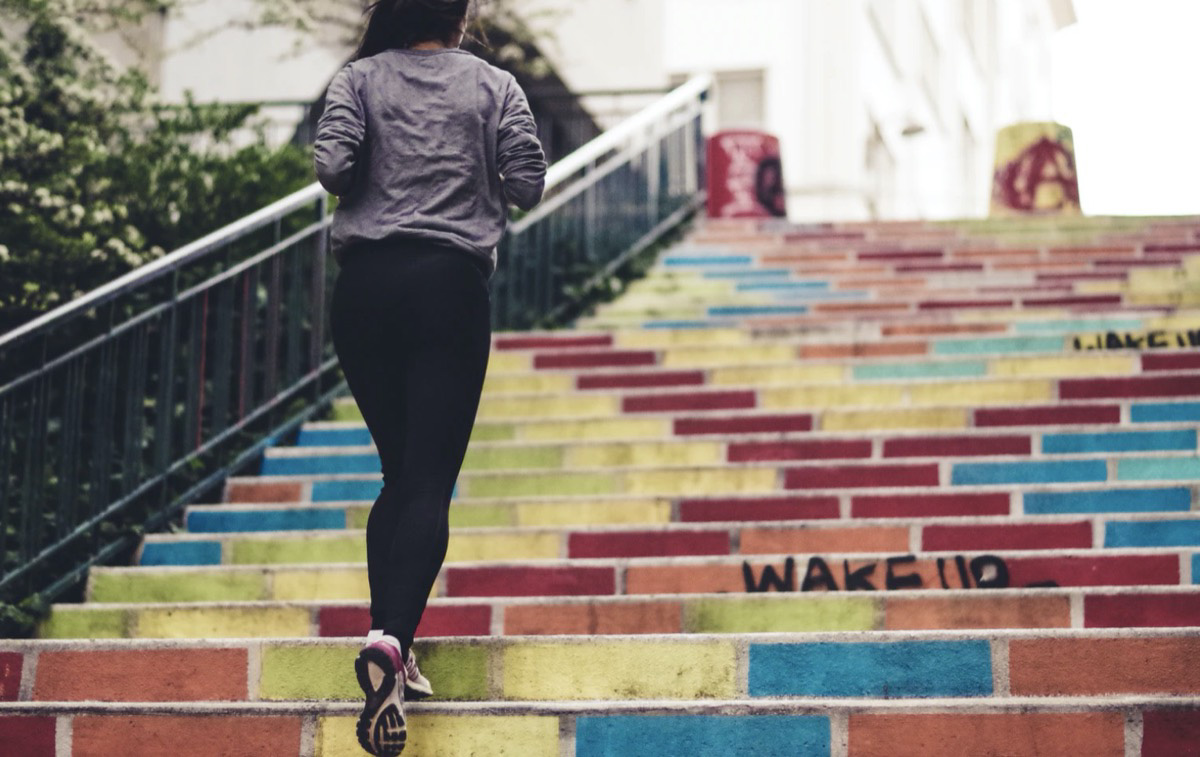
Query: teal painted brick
[695, 735]
[1120, 441]
[1158, 533]
[1166, 412]
[320, 465]
[1110, 501]
[1079, 326]
[1067, 471]
[1159, 469]
[997, 345]
[958, 369]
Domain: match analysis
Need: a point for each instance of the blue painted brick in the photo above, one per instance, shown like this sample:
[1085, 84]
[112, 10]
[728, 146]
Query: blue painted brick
[346, 491]
[846, 295]
[1110, 501]
[890, 670]
[1162, 533]
[217, 520]
[1196, 569]
[727, 310]
[1066, 471]
[334, 437]
[680, 261]
[755, 273]
[1158, 469]
[693, 735]
[1165, 412]
[1119, 441]
[181, 553]
[675, 325]
[320, 464]
[766, 286]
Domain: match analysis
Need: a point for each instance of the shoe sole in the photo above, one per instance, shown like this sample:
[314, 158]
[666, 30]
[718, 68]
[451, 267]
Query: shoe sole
[382, 729]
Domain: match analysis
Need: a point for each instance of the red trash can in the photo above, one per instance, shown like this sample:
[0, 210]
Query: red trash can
[745, 176]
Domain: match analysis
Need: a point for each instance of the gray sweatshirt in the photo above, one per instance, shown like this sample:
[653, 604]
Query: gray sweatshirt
[430, 145]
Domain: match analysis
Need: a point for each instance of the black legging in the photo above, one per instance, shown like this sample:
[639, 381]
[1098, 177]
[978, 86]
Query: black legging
[412, 329]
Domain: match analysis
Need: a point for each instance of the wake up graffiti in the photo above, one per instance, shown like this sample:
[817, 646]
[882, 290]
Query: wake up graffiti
[889, 574]
[1132, 340]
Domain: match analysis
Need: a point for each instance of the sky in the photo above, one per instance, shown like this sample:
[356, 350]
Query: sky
[1126, 79]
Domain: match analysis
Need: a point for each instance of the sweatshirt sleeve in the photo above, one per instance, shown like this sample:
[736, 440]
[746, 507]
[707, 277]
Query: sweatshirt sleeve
[519, 154]
[340, 133]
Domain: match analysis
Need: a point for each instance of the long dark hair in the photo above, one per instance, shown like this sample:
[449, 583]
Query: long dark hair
[404, 23]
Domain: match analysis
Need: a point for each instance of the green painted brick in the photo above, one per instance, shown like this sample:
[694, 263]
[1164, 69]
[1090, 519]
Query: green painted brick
[493, 432]
[177, 586]
[791, 615]
[481, 516]
[356, 517]
[1158, 469]
[535, 485]
[297, 551]
[510, 458]
[309, 672]
[458, 671]
[959, 369]
[998, 346]
[346, 410]
[88, 623]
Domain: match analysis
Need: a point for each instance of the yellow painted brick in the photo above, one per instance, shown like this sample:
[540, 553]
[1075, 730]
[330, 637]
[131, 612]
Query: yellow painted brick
[537, 383]
[503, 546]
[1064, 366]
[541, 407]
[222, 623]
[660, 338]
[509, 362]
[596, 430]
[452, 736]
[627, 670]
[641, 511]
[704, 481]
[1099, 287]
[683, 298]
[701, 357]
[648, 313]
[1177, 321]
[871, 420]
[982, 392]
[644, 454]
[805, 397]
[328, 583]
[992, 316]
[777, 374]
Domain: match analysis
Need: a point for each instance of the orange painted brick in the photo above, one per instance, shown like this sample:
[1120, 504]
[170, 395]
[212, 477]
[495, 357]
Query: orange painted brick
[774, 541]
[849, 308]
[966, 254]
[977, 612]
[1081, 667]
[594, 618]
[142, 675]
[273, 492]
[1100, 734]
[197, 736]
[684, 579]
[864, 349]
[943, 329]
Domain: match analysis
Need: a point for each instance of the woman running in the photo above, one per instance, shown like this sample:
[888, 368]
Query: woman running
[425, 146]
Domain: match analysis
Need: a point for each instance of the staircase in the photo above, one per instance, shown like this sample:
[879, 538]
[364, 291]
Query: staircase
[877, 489]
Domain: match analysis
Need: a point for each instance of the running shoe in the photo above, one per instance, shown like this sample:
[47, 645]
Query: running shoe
[416, 686]
[382, 728]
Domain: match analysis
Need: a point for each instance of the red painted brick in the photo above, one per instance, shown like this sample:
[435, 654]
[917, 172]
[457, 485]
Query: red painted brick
[1055, 302]
[801, 450]
[529, 582]
[1007, 536]
[554, 342]
[646, 544]
[957, 446]
[747, 424]
[666, 403]
[641, 380]
[861, 476]
[864, 349]
[929, 505]
[861, 308]
[1090, 251]
[1088, 667]
[27, 735]
[964, 304]
[599, 359]
[438, 620]
[758, 509]
[1054, 415]
[10, 675]
[1175, 361]
[594, 618]
[263, 491]
[141, 675]
[1081, 276]
[944, 268]
[1095, 734]
[1102, 570]
[903, 255]
[1187, 385]
[1141, 610]
[1125, 265]
[184, 736]
[1171, 733]
[1174, 247]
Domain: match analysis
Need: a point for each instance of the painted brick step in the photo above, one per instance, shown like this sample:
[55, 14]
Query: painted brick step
[937, 571]
[1061, 726]
[674, 540]
[660, 614]
[1047, 443]
[531, 512]
[1066, 413]
[892, 665]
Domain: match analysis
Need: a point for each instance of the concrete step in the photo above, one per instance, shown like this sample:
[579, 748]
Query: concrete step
[836, 571]
[902, 610]
[261, 546]
[785, 727]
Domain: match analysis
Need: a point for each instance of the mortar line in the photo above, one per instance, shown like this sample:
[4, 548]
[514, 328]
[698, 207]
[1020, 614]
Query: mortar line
[1000, 677]
[64, 733]
[1135, 732]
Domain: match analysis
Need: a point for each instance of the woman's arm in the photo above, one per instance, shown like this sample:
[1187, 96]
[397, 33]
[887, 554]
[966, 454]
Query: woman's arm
[519, 154]
[340, 133]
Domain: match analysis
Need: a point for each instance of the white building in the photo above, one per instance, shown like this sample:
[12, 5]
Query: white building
[884, 108]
